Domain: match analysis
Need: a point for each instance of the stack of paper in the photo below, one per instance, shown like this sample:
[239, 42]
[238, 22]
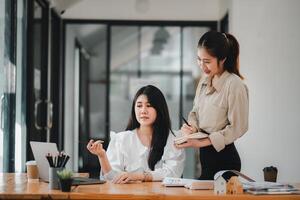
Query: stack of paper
[188, 183]
[200, 185]
[269, 188]
[175, 182]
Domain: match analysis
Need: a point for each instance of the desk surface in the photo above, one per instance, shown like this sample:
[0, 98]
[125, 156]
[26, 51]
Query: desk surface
[15, 186]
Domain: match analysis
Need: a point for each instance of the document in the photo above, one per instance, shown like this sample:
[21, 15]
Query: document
[176, 182]
[269, 188]
[192, 184]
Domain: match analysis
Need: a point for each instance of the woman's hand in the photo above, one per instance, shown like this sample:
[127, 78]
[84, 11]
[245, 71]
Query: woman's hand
[96, 148]
[126, 177]
[194, 143]
[186, 129]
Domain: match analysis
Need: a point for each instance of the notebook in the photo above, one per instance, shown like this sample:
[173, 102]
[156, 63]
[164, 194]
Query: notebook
[86, 181]
[184, 138]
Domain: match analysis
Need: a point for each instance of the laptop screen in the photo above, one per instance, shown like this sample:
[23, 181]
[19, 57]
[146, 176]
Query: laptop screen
[40, 150]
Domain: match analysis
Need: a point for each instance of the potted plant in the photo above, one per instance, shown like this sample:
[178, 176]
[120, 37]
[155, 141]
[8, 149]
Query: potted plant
[65, 179]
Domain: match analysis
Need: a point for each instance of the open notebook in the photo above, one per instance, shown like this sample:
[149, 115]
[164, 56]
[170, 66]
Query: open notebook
[184, 138]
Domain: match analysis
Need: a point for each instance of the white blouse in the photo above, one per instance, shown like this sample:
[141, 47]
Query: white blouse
[126, 153]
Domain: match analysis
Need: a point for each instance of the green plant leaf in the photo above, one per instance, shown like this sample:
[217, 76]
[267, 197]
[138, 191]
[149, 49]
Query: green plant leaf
[65, 174]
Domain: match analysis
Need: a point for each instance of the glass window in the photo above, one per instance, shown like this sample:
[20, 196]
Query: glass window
[151, 55]
[12, 87]
[2, 78]
[124, 68]
[191, 71]
[7, 88]
[141, 56]
[124, 39]
[191, 75]
[85, 113]
[160, 49]
[160, 62]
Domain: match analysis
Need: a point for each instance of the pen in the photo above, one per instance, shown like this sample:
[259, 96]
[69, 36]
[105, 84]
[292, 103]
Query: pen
[190, 125]
[55, 162]
[65, 161]
[201, 130]
[185, 121]
[50, 161]
[60, 160]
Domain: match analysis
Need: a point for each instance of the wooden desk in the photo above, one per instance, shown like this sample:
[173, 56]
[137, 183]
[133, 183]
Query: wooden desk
[15, 186]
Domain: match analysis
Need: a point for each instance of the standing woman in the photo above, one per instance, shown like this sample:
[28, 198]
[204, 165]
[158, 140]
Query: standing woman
[221, 104]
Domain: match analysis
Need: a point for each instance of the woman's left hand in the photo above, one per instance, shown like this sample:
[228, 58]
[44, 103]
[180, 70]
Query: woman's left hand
[126, 177]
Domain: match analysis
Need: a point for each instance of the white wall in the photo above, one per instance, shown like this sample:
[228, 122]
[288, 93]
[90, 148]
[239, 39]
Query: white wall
[268, 32]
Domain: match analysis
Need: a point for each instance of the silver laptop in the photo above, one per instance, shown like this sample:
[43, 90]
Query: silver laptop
[40, 150]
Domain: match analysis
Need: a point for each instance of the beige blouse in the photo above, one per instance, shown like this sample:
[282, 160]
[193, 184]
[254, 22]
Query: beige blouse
[221, 108]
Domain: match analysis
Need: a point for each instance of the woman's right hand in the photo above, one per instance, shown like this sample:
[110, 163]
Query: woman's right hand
[186, 129]
[96, 148]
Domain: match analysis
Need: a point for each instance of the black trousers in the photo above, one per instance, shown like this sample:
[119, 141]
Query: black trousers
[213, 161]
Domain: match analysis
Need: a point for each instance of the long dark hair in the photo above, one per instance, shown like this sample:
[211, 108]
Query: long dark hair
[161, 125]
[221, 46]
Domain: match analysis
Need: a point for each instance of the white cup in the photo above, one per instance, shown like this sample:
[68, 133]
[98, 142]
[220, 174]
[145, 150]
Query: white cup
[32, 171]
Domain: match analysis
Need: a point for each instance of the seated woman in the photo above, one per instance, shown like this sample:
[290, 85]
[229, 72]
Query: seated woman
[145, 151]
